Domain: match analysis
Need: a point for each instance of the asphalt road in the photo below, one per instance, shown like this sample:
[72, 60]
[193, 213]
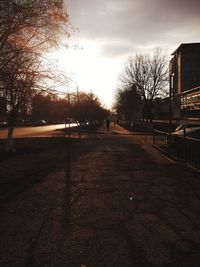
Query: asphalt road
[36, 131]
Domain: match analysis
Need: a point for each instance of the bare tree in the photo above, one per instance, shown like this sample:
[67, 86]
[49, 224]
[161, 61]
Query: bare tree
[19, 83]
[149, 74]
[31, 24]
[27, 29]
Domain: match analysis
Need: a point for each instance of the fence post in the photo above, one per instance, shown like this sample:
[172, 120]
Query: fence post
[168, 142]
[184, 146]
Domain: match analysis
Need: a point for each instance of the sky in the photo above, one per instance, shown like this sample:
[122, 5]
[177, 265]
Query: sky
[110, 31]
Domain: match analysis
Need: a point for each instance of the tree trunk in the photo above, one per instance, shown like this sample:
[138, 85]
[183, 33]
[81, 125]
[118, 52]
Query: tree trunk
[11, 123]
[9, 145]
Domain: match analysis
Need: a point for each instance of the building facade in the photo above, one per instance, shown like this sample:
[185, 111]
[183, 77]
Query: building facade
[184, 71]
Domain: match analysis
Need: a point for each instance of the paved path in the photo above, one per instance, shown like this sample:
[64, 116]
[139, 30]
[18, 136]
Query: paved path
[129, 206]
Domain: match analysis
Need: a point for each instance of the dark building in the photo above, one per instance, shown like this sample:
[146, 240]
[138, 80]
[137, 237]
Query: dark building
[184, 73]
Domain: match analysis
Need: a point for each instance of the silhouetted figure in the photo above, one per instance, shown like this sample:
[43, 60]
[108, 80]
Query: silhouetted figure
[132, 126]
[108, 124]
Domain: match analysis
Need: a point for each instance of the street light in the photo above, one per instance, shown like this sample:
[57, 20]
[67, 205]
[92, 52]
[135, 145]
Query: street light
[68, 170]
[68, 97]
[68, 165]
[171, 86]
[77, 90]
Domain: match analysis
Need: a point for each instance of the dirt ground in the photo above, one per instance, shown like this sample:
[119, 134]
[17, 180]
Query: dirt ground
[118, 203]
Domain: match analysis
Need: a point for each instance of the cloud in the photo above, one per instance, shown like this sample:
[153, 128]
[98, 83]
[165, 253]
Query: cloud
[138, 22]
[122, 28]
[115, 48]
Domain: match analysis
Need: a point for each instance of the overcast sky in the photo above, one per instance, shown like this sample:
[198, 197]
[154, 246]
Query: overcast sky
[112, 30]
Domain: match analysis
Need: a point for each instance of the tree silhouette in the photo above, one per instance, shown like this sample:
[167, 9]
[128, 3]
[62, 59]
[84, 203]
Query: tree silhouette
[27, 30]
[86, 108]
[127, 103]
[149, 74]
[49, 107]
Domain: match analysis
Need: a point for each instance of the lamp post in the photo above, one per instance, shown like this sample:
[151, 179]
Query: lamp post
[77, 90]
[171, 86]
[68, 165]
[68, 97]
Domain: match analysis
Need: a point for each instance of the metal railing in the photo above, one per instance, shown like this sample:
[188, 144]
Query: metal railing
[192, 152]
[182, 148]
[160, 140]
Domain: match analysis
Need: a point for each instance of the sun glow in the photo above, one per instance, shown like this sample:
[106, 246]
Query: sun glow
[91, 71]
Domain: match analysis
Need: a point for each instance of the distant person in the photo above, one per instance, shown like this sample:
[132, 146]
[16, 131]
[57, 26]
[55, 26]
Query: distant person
[108, 125]
[132, 126]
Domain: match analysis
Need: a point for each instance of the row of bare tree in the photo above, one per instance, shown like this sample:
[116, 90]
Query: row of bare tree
[28, 29]
[144, 79]
[82, 108]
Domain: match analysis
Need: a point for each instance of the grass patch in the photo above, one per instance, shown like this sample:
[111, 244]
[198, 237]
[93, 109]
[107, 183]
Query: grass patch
[33, 160]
